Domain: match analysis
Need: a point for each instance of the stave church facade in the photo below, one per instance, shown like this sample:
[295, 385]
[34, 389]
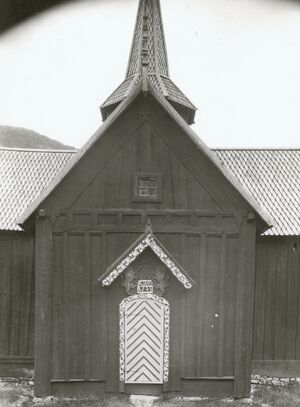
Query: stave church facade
[145, 262]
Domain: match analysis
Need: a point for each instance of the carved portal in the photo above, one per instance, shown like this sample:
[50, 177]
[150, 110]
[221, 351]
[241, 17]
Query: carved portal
[146, 267]
[144, 339]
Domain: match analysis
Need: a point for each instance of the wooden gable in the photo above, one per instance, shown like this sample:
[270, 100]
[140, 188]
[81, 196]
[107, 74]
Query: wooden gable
[145, 152]
[144, 139]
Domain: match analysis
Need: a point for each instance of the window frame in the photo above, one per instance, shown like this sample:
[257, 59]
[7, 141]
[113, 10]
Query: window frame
[147, 198]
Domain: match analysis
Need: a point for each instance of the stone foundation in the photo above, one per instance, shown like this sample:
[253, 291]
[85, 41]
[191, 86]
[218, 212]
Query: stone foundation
[274, 381]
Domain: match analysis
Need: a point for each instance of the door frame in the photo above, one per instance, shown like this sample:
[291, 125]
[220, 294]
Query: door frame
[166, 308]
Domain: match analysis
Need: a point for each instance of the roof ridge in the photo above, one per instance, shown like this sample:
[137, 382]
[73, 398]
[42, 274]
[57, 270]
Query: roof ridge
[38, 150]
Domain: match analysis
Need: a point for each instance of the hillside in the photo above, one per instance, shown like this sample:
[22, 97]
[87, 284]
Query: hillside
[18, 137]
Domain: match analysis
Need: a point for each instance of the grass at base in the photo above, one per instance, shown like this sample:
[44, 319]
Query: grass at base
[19, 393]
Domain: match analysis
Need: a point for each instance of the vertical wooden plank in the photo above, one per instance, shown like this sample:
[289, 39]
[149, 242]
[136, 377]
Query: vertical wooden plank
[31, 293]
[92, 196]
[31, 331]
[198, 196]
[5, 292]
[16, 270]
[66, 300]
[127, 170]
[201, 293]
[25, 295]
[77, 326]
[105, 318]
[297, 347]
[112, 198]
[173, 295]
[211, 323]
[98, 310]
[178, 179]
[230, 305]
[221, 313]
[160, 164]
[244, 309]
[192, 312]
[58, 309]
[280, 302]
[167, 183]
[259, 300]
[87, 307]
[144, 156]
[113, 300]
[76, 304]
[292, 295]
[170, 181]
[270, 300]
[43, 306]
[183, 311]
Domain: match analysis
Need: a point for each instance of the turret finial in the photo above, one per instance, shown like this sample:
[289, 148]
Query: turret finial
[148, 64]
[148, 228]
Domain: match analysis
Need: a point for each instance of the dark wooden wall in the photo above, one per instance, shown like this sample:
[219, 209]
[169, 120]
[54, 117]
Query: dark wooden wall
[16, 302]
[90, 219]
[277, 306]
[206, 335]
[205, 315]
[145, 152]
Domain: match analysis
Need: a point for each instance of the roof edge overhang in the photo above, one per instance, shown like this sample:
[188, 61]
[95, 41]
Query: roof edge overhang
[24, 217]
[265, 217]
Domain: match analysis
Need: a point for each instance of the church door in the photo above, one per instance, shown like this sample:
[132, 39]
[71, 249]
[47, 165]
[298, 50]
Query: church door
[144, 339]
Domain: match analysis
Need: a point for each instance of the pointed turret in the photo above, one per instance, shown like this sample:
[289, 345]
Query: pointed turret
[148, 62]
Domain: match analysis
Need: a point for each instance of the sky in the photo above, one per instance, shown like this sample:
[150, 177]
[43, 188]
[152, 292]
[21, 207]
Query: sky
[238, 61]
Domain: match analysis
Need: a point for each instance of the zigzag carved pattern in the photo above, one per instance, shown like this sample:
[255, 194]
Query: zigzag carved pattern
[144, 323]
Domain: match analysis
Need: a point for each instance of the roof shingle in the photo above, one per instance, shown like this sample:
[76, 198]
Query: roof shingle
[23, 176]
[148, 57]
[271, 176]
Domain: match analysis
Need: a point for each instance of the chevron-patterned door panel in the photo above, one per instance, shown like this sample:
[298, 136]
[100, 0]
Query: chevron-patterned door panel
[144, 339]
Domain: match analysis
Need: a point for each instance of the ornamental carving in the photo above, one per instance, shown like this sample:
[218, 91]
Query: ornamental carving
[146, 267]
[148, 241]
[166, 321]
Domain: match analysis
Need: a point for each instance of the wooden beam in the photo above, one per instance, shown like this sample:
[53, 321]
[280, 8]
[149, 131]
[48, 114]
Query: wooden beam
[43, 292]
[244, 310]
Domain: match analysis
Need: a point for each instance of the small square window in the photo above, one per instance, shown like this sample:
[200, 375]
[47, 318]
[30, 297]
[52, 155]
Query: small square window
[147, 187]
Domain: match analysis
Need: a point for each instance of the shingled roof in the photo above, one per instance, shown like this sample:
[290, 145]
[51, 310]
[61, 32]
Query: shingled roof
[23, 176]
[148, 57]
[272, 176]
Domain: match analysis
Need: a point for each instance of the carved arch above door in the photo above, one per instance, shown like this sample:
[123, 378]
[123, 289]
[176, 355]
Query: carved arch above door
[146, 240]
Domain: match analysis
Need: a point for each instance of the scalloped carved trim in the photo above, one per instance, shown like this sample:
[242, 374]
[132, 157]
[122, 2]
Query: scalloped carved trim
[149, 241]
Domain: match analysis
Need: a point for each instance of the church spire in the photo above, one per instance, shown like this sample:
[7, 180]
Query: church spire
[148, 61]
[148, 44]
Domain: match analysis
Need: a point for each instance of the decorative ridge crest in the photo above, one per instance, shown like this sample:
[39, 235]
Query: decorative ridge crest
[129, 256]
